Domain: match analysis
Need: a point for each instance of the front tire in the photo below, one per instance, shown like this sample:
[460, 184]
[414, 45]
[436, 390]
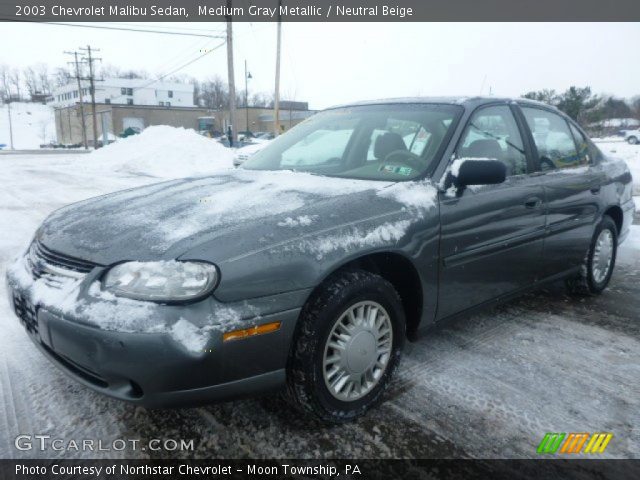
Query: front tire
[347, 346]
[632, 140]
[596, 272]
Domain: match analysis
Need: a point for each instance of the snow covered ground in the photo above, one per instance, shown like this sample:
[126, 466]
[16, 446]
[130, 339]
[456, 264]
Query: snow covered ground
[617, 147]
[490, 385]
[32, 124]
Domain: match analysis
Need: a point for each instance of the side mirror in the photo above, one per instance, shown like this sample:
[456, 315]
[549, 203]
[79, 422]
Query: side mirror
[478, 172]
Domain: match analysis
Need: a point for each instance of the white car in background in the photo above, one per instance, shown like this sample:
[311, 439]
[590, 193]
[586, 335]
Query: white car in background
[631, 136]
[243, 153]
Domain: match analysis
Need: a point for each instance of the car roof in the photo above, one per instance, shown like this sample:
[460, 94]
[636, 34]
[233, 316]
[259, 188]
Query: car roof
[470, 102]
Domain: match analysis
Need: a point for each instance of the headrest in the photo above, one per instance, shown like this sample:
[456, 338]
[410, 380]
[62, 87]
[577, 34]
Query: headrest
[387, 143]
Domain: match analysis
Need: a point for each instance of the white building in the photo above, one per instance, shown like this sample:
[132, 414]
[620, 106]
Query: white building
[125, 91]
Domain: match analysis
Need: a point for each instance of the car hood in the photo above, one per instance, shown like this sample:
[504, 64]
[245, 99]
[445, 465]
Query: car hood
[232, 213]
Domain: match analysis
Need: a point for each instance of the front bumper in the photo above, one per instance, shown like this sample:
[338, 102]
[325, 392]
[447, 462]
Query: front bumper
[154, 368]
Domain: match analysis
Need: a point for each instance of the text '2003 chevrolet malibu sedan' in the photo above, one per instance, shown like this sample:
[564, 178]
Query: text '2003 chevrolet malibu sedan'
[309, 266]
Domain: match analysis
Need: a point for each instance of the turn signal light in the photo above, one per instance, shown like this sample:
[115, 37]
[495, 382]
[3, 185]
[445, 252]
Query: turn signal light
[251, 332]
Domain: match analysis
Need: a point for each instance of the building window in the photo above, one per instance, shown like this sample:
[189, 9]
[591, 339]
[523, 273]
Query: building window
[170, 93]
[75, 94]
[129, 101]
[161, 104]
[107, 101]
[168, 104]
[129, 91]
[123, 91]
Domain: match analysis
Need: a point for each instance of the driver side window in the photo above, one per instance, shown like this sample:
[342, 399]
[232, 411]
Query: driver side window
[493, 134]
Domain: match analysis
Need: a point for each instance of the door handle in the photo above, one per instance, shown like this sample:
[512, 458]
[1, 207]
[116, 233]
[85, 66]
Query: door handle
[532, 202]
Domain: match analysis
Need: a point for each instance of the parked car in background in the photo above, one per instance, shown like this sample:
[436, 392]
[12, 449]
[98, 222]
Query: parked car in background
[244, 153]
[265, 135]
[631, 136]
[310, 265]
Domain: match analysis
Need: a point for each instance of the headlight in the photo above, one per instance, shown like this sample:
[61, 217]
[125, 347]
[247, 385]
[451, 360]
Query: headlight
[161, 281]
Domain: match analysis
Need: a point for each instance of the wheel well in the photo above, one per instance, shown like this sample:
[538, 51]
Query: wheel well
[615, 213]
[400, 272]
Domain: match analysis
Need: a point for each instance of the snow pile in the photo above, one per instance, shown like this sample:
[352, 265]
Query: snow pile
[164, 152]
[32, 124]
[188, 335]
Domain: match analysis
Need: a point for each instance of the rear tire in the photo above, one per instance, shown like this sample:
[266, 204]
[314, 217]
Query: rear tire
[347, 346]
[600, 261]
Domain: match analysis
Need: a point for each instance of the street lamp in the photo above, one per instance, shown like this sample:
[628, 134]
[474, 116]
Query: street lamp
[247, 76]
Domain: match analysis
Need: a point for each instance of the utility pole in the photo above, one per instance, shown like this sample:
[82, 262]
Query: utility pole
[84, 126]
[10, 125]
[232, 82]
[90, 61]
[247, 76]
[276, 98]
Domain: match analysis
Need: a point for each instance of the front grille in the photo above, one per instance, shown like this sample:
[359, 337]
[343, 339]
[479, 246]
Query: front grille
[26, 313]
[55, 268]
[39, 252]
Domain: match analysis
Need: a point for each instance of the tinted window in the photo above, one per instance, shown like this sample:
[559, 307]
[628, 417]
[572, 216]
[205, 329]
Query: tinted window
[379, 142]
[553, 139]
[493, 133]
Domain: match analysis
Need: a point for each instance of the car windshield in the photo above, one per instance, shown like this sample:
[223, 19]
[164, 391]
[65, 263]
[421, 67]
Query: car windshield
[375, 142]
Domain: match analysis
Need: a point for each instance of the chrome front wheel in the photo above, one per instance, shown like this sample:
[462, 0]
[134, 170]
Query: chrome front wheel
[357, 351]
[602, 256]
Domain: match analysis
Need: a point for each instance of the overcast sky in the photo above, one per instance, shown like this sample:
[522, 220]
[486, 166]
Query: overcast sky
[332, 63]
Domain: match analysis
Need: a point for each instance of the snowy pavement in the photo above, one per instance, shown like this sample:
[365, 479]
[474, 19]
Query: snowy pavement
[489, 385]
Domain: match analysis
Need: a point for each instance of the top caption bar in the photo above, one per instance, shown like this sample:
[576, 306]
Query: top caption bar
[321, 10]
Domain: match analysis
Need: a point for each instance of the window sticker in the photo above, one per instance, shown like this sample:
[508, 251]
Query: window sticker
[397, 169]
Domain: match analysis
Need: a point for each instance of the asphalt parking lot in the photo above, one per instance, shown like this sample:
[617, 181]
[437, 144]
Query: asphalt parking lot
[488, 385]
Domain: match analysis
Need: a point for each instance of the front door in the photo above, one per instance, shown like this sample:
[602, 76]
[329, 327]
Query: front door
[492, 236]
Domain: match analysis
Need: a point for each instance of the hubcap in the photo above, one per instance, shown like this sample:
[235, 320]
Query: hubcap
[358, 351]
[602, 256]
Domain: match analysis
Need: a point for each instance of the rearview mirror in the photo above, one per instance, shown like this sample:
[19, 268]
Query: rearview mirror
[479, 172]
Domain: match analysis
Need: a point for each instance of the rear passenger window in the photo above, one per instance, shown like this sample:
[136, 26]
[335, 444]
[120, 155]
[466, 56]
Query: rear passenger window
[554, 141]
[492, 133]
[582, 144]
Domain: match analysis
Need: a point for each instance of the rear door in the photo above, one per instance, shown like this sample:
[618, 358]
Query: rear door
[571, 185]
[491, 236]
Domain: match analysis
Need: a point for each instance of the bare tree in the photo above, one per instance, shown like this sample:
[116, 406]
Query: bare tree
[30, 80]
[262, 99]
[5, 83]
[44, 79]
[61, 77]
[214, 93]
[15, 79]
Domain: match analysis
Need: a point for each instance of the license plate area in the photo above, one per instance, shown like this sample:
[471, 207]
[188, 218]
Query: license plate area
[27, 313]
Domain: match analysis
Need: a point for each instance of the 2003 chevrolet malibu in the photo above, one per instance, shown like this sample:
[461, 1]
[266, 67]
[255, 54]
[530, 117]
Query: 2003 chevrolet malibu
[309, 266]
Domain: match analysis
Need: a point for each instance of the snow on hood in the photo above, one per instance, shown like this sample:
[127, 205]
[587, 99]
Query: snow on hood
[155, 217]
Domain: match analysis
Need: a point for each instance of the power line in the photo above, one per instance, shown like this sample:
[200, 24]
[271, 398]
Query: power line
[186, 29]
[140, 30]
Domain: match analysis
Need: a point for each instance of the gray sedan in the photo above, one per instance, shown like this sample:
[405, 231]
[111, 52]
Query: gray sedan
[310, 266]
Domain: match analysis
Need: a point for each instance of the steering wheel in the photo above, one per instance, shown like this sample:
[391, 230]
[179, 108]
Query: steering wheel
[411, 159]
